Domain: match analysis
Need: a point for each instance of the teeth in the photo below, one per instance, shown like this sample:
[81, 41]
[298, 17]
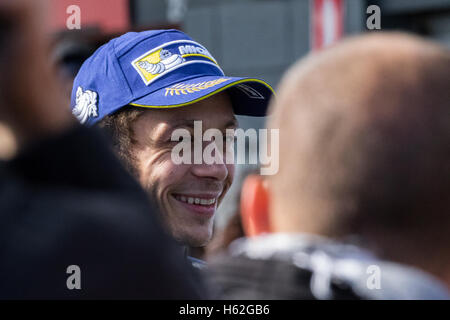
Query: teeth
[192, 200]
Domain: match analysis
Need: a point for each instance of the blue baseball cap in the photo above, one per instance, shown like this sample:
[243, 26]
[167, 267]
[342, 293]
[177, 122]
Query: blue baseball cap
[158, 69]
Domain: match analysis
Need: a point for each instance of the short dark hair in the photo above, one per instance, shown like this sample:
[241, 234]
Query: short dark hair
[119, 128]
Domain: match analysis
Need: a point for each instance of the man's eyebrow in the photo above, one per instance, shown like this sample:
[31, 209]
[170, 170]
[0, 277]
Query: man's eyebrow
[190, 123]
[182, 123]
[232, 123]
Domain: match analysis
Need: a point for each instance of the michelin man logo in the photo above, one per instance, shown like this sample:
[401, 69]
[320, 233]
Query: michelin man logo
[167, 61]
[168, 57]
[86, 105]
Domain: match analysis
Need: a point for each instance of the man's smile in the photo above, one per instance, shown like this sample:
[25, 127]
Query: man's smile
[198, 203]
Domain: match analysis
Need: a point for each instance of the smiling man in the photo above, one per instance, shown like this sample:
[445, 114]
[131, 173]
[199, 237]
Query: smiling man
[188, 194]
[141, 87]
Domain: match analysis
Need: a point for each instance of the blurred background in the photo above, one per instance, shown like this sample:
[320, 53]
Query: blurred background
[257, 38]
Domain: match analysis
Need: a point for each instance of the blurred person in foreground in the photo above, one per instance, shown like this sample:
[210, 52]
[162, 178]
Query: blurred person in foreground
[65, 200]
[360, 206]
[140, 88]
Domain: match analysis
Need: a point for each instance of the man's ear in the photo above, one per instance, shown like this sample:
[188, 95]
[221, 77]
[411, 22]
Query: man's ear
[255, 206]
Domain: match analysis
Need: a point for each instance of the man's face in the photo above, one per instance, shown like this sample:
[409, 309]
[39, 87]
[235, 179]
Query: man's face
[176, 186]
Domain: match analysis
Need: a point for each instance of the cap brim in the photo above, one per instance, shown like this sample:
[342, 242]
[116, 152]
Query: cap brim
[249, 96]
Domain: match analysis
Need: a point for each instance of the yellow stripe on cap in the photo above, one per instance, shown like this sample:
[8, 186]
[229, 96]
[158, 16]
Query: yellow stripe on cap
[206, 96]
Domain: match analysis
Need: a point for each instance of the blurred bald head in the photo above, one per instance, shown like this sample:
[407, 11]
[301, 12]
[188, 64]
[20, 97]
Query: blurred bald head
[365, 143]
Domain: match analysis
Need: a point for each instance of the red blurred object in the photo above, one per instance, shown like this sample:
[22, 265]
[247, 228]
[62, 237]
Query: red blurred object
[254, 207]
[327, 21]
[109, 16]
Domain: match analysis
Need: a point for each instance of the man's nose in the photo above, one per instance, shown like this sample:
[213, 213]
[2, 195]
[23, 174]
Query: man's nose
[213, 167]
[217, 171]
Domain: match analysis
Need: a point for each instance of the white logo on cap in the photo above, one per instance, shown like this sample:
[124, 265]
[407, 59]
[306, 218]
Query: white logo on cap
[167, 61]
[169, 56]
[86, 105]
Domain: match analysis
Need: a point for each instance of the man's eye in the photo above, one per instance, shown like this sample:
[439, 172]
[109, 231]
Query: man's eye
[180, 139]
[229, 139]
[174, 140]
